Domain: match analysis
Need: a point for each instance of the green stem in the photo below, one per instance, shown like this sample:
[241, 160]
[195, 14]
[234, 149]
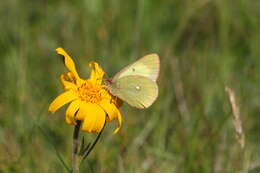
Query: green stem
[75, 147]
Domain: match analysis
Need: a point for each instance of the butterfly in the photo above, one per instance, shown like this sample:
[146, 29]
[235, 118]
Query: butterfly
[136, 83]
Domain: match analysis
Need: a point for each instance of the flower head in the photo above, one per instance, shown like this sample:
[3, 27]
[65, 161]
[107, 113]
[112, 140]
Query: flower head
[90, 101]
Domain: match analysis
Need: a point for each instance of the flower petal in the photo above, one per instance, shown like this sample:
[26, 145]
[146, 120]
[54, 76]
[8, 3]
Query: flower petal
[119, 122]
[96, 73]
[69, 63]
[112, 112]
[110, 109]
[93, 117]
[61, 100]
[66, 81]
[107, 95]
[70, 112]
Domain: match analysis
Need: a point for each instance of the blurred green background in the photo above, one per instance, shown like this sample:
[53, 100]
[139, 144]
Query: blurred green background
[203, 45]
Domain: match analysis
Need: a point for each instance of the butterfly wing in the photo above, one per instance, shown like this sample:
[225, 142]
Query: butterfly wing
[137, 91]
[147, 66]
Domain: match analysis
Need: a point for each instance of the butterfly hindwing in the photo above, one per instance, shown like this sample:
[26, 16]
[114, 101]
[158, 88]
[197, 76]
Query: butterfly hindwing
[138, 91]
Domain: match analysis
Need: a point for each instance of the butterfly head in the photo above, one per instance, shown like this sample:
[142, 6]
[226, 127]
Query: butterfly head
[107, 82]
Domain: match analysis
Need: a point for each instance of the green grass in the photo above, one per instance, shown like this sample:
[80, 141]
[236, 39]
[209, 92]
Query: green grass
[203, 45]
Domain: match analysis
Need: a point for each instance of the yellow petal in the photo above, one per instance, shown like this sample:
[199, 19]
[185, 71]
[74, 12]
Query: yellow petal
[70, 112]
[69, 63]
[113, 99]
[119, 122]
[112, 112]
[96, 73]
[61, 100]
[67, 84]
[83, 110]
[93, 117]
[110, 109]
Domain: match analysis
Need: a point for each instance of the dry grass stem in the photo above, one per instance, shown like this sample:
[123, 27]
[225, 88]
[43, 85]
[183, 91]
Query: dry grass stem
[236, 117]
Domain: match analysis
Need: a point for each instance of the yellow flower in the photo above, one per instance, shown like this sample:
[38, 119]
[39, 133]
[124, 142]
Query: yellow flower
[90, 101]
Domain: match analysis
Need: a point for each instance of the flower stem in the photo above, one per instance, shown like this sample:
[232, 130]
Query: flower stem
[75, 147]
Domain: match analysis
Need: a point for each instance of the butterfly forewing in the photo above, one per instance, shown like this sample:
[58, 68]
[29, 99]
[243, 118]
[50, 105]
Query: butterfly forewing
[147, 66]
[138, 91]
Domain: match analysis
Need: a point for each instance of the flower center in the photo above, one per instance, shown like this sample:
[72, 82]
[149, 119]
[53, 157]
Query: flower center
[89, 92]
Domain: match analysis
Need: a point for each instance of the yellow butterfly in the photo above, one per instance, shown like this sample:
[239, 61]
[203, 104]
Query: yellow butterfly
[136, 83]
